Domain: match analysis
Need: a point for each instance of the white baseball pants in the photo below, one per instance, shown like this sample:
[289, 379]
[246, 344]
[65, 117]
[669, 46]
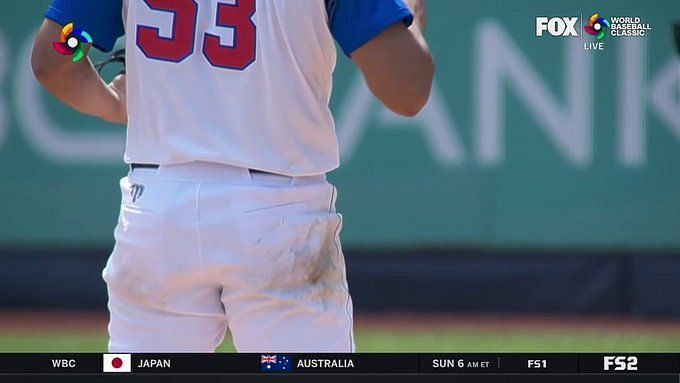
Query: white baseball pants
[205, 247]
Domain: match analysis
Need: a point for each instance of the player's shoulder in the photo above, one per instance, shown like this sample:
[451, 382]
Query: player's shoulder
[102, 19]
[355, 22]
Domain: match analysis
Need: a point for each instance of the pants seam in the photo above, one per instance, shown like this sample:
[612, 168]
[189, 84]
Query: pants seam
[330, 205]
[345, 286]
[342, 270]
[198, 223]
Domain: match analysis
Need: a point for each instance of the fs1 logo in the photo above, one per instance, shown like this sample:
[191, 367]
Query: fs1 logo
[557, 26]
[620, 363]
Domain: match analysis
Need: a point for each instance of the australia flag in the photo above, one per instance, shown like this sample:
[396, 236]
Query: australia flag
[275, 363]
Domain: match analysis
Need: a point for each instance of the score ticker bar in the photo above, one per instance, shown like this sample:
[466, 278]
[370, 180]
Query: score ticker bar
[341, 363]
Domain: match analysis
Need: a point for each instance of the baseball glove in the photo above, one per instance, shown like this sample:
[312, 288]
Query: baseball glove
[117, 57]
[676, 34]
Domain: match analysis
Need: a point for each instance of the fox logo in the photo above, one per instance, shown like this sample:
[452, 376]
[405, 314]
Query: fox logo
[136, 192]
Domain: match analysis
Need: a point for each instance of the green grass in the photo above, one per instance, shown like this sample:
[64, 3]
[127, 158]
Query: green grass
[413, 341]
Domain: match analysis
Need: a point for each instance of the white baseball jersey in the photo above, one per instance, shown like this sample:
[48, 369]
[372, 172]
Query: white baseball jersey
[239, 82]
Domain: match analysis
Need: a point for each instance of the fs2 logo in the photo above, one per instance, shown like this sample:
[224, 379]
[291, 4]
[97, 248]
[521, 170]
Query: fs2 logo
[620, 363]
[557, 26]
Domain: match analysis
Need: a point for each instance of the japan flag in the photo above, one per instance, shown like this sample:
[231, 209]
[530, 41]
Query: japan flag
[117, 363]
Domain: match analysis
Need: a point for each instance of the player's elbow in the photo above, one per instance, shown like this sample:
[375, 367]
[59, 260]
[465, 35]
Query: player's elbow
[43, 70]
[407, 109]
[47, 67]
[39, 67]
[413, 99]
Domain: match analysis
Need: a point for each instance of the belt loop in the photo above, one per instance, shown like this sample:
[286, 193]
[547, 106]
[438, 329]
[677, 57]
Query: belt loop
[135, 166]
[260, 177]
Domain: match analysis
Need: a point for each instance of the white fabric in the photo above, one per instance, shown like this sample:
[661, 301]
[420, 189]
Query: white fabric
[271, 116]
[203, 247]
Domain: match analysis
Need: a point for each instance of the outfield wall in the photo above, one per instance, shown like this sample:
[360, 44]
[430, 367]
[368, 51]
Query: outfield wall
[410, 280]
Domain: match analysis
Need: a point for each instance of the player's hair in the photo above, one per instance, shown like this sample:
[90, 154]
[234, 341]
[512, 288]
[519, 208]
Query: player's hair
[117, 57]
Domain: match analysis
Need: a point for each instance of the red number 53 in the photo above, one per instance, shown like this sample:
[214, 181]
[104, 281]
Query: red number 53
[182, 42]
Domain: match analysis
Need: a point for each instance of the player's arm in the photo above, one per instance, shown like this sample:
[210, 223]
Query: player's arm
[398, 68]
[386, 43]
[78, 84]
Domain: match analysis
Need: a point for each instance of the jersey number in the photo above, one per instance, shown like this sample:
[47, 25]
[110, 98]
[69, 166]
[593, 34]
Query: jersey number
[181, 45]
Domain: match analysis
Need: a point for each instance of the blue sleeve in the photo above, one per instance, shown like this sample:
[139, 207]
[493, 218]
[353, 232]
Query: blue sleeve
[102, 19]
[353, 23]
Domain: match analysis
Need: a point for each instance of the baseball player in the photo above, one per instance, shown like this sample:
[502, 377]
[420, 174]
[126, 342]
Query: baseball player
[227, 220]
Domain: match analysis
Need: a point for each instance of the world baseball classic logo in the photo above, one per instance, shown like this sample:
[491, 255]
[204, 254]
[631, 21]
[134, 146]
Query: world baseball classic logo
[597, 26]
[73, 42]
